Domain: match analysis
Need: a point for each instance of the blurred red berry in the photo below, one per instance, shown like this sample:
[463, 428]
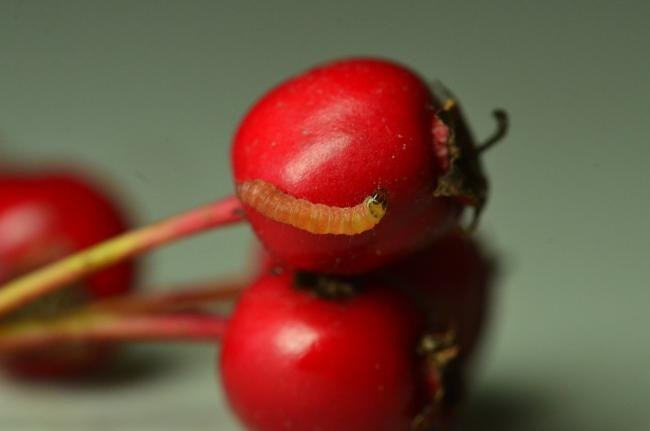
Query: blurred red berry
[43, 217]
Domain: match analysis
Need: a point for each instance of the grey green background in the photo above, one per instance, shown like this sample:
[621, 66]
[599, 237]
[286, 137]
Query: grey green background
[148, 94]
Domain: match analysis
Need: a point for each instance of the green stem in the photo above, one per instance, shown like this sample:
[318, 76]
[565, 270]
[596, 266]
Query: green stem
[77, 266]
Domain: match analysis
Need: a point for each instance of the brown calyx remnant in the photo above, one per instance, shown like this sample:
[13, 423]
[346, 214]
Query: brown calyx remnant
[440, 351]
[464, 179]
[326, 286]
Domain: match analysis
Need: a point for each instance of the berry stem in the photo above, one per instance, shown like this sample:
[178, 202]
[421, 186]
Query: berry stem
[501, 118]
[70, 269]
[194, 295]
[92, 326]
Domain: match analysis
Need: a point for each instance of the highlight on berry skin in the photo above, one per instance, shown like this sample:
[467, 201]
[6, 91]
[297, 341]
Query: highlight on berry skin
[315, 218]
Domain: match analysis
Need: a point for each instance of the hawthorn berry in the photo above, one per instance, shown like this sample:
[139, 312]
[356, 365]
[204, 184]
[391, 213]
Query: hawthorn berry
[452, 278]
[43, 217]
[291, 359]
[352, 165]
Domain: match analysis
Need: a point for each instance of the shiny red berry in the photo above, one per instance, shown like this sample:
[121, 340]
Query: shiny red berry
[44, 217]
[349, 166]
[293, 360]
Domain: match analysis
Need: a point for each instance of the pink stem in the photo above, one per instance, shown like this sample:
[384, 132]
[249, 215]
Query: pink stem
[110, 327]
[195, 295]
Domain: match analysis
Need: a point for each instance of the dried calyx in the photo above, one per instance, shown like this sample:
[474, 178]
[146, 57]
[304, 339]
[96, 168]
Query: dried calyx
[440, 351]
[328, 286]
[464, 179]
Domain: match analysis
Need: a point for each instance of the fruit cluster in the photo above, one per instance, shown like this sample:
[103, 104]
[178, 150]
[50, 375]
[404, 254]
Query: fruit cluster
[369, 294]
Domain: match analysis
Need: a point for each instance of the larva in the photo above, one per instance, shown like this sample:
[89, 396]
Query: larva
[268, 200]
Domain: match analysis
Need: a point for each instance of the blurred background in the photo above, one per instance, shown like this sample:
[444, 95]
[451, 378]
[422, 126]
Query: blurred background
[147, 95]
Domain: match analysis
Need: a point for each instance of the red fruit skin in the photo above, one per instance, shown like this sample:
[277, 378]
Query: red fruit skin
[290, 360]
[334, 135]
[453, 280]
[42, 218]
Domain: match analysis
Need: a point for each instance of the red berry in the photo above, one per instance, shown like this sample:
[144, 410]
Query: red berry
[452, 278]
[42, 218]
[291, 360]
[338, 167]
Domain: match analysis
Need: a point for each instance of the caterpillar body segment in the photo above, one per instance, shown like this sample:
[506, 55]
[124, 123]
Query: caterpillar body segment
[268, 200]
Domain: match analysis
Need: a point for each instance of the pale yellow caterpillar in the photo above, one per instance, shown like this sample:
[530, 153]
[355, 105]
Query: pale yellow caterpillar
[268, 200]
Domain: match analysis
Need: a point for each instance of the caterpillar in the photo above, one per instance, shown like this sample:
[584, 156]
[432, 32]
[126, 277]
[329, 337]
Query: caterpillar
[268, 200]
